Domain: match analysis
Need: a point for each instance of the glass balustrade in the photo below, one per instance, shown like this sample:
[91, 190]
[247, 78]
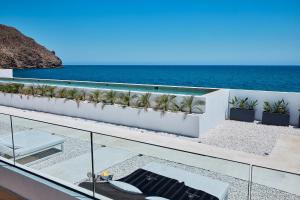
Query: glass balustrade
[109, 167]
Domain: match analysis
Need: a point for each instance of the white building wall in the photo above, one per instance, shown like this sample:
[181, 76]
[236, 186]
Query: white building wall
[292, 98]
[216, 110]
[6, 73]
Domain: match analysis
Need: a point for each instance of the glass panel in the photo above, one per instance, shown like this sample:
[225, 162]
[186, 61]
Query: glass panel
[270, 184]
[59, 153]
[116, 159]
[6, 147]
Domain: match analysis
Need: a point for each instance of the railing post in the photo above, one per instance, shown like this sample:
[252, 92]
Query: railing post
[250, 182]
[12, 138]
[92, 158]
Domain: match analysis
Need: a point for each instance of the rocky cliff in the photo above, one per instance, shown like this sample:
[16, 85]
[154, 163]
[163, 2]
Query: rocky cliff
[20, 51]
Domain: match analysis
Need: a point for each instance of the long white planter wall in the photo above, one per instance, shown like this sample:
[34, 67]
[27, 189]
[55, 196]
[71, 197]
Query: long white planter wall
[293, 98]
[154, 95]
[6, 73]
[178, 123]
[216, 110]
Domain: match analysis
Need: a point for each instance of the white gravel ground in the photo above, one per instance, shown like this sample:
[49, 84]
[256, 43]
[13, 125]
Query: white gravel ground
[247, 137]
[238, 188]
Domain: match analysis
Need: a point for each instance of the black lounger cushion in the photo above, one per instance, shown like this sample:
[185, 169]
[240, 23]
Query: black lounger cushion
[152, 184]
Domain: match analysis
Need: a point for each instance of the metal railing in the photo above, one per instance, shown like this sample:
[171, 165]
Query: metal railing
[88, 142]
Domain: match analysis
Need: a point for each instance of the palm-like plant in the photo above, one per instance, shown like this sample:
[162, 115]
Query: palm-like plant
[41, 90]
[96, 96]
[110, 97]
[252, 104]
[6, 89]
[234, 102]
[71, 94]
[144, 101]
[127, 98]
[27, 91]
[280, 107]
[79, 96]
[16, 87]
[2, 87]
[267, 107]
[166, 102]
[50, 91]
[189, 104]
[12, 88]
[33, 90]
[62, 93]
[83, 95]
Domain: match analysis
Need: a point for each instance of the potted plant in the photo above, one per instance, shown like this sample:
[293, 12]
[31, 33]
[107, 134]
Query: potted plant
[242, 109]
[276, 114]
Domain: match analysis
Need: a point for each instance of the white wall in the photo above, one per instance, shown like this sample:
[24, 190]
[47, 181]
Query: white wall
[178, 123]
[216, 109]
[6, 73]
[293, 98]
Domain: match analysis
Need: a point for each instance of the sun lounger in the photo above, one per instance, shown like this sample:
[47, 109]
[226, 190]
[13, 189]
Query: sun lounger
[75, 169]
[211, 186]
[159, 181]
[30, 142]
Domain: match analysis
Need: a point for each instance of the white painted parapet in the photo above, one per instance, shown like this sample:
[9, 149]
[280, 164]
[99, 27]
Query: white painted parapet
[292, 98]
[216, 109]
[6, 73]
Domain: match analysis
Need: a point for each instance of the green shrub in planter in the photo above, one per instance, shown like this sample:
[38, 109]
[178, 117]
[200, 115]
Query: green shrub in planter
[242, 109]
[276, 113]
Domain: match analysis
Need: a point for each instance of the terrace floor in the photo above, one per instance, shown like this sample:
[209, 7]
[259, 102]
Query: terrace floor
[254, 138]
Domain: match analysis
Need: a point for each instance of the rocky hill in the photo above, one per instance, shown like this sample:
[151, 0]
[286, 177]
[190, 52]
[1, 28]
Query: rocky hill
[20, 51]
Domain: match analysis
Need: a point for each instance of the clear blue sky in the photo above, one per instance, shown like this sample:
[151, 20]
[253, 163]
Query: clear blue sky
[161, 31]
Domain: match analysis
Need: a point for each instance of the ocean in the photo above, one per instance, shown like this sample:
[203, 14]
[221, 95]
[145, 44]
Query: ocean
[275, 78]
